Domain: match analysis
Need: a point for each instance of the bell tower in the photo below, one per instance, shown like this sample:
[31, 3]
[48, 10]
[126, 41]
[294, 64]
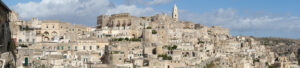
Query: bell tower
[175, 13]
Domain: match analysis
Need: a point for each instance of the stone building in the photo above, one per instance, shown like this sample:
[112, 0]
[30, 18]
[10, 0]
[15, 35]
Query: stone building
[119, 26]
[5, 35]
[55, 31]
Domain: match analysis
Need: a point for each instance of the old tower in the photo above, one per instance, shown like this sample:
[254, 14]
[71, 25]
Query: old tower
[175, 13]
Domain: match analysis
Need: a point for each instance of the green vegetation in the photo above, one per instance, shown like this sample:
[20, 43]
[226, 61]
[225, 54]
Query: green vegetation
[269, 66]
[26, 28]
[149, 27]
[154, 32]
[172, 47]
[23, 45]
[201, 42]
[165, 57]
[135, 39]
[255, 60]
[210, 65]
[115, 52]
[127, 39]
[120, 39]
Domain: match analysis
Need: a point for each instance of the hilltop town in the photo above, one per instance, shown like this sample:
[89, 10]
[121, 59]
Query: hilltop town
[125, 41]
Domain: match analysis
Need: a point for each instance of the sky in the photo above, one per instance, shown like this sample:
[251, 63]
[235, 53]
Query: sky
[259, 18]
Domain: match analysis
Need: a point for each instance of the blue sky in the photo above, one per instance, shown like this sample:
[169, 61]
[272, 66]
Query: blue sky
[200, 6]
[261, 18]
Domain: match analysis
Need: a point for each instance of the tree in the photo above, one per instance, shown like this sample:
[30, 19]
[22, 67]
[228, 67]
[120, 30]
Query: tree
[27, 28]
[174, 47]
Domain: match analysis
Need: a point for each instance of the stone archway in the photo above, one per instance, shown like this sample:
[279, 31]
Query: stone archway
[46, 33]
[134, 36]
[46, 38]
[154, 52]
[54, 33]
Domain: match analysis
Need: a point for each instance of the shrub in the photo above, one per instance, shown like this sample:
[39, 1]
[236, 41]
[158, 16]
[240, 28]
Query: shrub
[126, 39]
[165, 57]
[149, 27]
[120, 39]
[172, 47]
[154, 32]
[135, 39]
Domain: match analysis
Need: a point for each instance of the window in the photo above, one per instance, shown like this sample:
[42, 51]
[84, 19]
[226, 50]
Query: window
[33, 40]
[57, 47]
[75, 47]
[98, 47]
[69, 47]
[83, 47]
[85, 59]
[91, 48]
[20, 40]
[47, 26]
[62, 47]
[100, 54]
[53, 26]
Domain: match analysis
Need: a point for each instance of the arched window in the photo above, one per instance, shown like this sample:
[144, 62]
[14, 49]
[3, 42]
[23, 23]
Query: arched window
[75, 47]
[54, 33]
[98, 47]
[46, 33]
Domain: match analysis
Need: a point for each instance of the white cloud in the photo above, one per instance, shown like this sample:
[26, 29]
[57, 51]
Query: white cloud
[262, 25]
[132, 9]
[155, 2]
[75, 11]
[147, 2]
